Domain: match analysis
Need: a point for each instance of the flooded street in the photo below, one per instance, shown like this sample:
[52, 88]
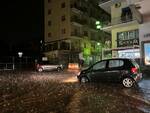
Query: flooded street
[60, 92]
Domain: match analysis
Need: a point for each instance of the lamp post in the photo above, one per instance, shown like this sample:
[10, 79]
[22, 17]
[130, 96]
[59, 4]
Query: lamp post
[20, 56]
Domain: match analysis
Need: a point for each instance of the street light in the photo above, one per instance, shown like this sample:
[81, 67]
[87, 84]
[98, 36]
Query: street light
[20, 56]
[98, 25]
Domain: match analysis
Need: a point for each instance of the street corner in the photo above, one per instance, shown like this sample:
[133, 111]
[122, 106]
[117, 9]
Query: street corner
[140, 93]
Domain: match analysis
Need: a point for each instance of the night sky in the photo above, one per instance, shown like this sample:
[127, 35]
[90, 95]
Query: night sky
[21, 26]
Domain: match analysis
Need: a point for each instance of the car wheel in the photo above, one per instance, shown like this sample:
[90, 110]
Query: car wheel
[84, 80]
[128, 82]
[40, 69]
[59, 69]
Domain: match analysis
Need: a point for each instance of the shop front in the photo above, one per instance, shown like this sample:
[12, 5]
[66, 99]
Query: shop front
[127, 45]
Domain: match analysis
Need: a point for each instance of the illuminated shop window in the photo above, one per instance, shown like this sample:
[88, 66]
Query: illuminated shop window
[147, 53]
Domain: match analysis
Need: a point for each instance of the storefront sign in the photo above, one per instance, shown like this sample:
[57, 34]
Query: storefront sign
[124, 43]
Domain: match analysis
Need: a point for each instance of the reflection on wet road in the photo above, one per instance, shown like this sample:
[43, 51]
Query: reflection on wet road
[60, 92]
[144, 85]
[141, 94]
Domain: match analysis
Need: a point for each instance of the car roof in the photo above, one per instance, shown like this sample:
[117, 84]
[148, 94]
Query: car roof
[117, 59]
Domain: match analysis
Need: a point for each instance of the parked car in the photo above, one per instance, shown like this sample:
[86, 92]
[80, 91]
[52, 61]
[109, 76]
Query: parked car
[48, 66]
[125, 71]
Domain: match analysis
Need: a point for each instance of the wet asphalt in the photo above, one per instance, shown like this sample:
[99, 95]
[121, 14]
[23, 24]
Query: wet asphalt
[139, 96]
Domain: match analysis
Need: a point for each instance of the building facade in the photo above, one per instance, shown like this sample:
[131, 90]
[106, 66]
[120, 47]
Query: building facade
[70, 31]
[129, 19]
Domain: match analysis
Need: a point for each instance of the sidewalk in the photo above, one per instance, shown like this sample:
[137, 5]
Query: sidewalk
[141, 93]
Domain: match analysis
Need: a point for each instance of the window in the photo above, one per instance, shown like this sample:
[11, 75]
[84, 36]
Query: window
[85, 33]
[49, 23]
[115, 63]
[49, 11]
[63, 5]
[63, 18]
[100, 65]
[49, 34]
[126, 14]
[63, 31]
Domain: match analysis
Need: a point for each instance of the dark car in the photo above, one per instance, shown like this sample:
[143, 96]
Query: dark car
[125, 71]
[48, 66]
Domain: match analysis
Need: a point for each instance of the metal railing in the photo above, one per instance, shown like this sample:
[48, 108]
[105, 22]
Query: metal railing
[119, 20]
[76, 34]
[7, 66]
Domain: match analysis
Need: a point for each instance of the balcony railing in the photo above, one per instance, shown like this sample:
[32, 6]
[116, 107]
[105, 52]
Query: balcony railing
[83, 9]
[76, 34]
[78, 20]
[119, 20]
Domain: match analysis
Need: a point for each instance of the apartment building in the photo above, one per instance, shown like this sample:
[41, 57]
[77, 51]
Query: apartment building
[129, 27]
[70, 33]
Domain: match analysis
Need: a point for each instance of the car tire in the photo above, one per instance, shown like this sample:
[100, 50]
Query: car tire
[84, 80]
[128, 82]
[40, 69]
[59, 69]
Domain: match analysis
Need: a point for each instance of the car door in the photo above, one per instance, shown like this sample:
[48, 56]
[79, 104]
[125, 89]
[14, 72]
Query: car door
[113, 71]
[98, 71]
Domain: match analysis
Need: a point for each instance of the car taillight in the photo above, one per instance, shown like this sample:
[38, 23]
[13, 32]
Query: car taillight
[134, 70]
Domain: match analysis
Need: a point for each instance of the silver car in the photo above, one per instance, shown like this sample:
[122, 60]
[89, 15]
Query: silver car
[47, 66]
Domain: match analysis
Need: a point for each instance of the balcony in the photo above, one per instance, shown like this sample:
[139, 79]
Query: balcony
[76, 10]
[75, 49]
[77, 21]
[119, 21]
[106, 5]
[76, 34]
